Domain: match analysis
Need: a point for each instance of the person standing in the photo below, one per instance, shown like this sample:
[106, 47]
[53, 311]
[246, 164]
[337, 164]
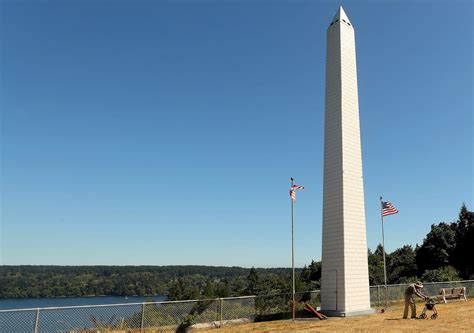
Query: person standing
[413, 290]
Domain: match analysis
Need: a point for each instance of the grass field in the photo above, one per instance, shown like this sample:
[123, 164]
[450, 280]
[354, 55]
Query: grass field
[457, 316]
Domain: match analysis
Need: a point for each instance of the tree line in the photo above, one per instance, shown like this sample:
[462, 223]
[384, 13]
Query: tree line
[58, 281]
[445, 254]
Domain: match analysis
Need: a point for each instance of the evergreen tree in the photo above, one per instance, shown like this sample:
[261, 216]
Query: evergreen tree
[437, 248]
[375, 259]
[401, 264]
[223, 289]
[311, 276]
[463, 259]
[253, 282]
[209, 290]
[176, 291]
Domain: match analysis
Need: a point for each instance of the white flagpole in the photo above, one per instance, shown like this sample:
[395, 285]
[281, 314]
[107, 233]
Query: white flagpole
[292, 250]
[383, 252]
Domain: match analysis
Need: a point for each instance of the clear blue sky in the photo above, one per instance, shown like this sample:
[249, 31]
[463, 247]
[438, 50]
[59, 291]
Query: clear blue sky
[160, 132]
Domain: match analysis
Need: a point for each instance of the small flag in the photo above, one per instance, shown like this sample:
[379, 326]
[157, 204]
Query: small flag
[388, 209]
[293, 189]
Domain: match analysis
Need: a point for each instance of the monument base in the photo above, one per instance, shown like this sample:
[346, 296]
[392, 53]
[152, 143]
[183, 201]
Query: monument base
[339, 313]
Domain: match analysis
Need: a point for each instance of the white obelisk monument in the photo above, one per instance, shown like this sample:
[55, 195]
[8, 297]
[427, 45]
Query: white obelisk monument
[345, 277]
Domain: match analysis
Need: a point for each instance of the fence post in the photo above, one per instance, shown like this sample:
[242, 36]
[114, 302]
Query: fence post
[35, 329]
[378, 295]
[221, 303]
[143, 318]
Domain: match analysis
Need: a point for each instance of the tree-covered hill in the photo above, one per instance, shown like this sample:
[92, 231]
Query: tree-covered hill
[55, 281]
[445, 254]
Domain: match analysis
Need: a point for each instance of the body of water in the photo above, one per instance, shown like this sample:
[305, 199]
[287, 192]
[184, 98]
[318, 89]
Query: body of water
[27, 303]
[69, 319]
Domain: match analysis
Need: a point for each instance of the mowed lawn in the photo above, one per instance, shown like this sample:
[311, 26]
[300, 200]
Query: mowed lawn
[457, 316]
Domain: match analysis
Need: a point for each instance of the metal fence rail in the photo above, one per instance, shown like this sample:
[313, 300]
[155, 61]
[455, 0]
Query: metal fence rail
[150, 317]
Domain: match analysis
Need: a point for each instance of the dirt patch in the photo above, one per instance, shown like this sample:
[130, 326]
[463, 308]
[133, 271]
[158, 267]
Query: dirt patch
[457, 316]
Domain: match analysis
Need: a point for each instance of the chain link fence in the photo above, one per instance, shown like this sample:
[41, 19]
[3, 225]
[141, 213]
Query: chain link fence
[396, 292]
[154, 317]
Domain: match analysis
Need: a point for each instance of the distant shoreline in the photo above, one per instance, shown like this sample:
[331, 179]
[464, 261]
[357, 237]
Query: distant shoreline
[48, 302]
[154, 295]
[84, 296]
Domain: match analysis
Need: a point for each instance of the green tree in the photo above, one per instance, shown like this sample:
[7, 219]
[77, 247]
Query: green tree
[401, 264]
[209, 289]
[311, 276]
[463, 259]
[446, 273]
[223, 289]
[252, 282]
[176, 291]
[376, 276]
[437, 247]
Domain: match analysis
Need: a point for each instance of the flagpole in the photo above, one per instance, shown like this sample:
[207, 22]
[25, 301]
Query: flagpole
[292, 250]
[383, 252]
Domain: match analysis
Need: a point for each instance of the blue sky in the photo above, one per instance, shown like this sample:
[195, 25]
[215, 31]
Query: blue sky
[160, 132]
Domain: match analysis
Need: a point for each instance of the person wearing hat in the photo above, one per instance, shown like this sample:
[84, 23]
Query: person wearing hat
[413, 290]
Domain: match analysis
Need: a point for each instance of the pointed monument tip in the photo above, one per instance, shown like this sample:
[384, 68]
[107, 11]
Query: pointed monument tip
[341, 15]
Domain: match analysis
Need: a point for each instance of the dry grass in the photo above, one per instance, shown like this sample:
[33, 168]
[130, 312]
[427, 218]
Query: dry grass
[457, 316]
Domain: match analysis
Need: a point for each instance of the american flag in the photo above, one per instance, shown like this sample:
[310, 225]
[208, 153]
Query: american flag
[293, 189]
[388, 209]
